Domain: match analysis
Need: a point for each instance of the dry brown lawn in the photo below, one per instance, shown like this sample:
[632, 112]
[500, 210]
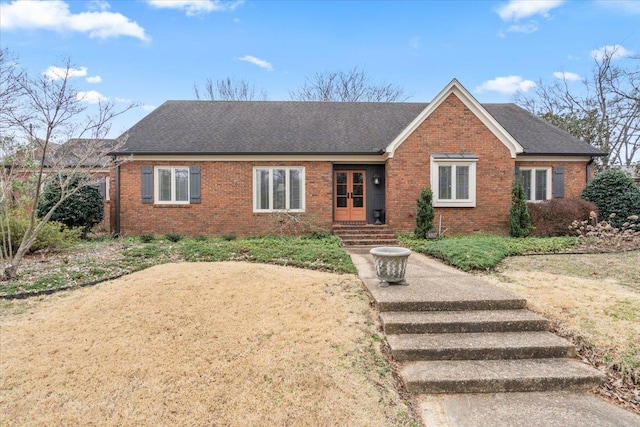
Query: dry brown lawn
[198, 344]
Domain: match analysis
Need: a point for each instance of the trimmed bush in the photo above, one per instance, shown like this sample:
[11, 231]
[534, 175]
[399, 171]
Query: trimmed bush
[519, 218]
[83, 210]
[614, 193]
[424, 214]
[554, 217]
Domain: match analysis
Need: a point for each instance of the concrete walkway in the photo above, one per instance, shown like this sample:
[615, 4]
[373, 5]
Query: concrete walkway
[436, 288]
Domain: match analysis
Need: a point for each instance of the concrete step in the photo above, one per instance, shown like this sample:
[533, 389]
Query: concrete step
[420, 322]
[370, 242]
[496, 376]
[396, 304]
[484, 345]
[367, 236]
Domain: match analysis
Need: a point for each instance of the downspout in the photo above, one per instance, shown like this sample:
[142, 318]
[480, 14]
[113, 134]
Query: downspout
[116, 232]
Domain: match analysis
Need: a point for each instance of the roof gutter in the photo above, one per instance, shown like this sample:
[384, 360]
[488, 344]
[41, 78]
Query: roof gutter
[379, 152]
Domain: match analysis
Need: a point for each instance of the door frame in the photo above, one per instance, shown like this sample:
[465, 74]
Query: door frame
[350, 213]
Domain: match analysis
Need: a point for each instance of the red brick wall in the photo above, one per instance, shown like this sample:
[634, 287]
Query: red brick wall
[227, 201]
[451, 128]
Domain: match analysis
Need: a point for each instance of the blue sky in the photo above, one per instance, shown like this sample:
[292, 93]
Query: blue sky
[155, 50]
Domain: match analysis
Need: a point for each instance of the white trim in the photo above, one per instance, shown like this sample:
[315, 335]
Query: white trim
[156, 186]
[288, 158]
[472, 104]
[107, 188]
[552, 159]
[435, 183]
[287, 188]
[549, 193]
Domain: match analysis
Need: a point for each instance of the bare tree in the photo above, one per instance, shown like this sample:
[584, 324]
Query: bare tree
[351, 86]
[45, 112]
[603, 111]
[229, 90]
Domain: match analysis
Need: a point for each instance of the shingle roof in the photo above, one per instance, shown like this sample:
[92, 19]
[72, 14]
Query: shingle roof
[290, 127]
[536, 135]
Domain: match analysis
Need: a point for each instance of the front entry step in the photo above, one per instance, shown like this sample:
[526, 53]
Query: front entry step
[474, 346]
[496, 376]
[365, 235]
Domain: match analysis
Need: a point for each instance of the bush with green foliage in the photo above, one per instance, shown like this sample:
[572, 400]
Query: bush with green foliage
[52, 236]
[519, 218]
[83, 210]
[554, 217]
[614, 193]
[424, 213]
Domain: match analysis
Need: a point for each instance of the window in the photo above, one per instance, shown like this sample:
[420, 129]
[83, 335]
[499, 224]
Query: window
[453, 180]
[278, 189]
[171, 185]
[536, 183]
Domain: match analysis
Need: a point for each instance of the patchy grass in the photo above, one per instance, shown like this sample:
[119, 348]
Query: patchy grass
[483, 251]
[100, 259]
[191, 344]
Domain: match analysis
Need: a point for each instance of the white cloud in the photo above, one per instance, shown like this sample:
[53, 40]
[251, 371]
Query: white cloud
[57, 73]
[91, 96]
[123, 100]
[196, 7]
[55, 16]
[566, 75]
[506, 85]
[529, 28]
[147, 107]
[624, 6]
[94, 79]
[257, 61]
[519, 9]
[615, 51]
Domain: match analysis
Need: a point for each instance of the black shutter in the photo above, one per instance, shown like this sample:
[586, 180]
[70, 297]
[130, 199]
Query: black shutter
[194, 184]
[558, 182]
[518, 175]
[147, 184]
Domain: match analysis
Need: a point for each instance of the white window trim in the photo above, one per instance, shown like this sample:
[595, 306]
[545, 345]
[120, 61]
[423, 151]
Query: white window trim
[287, 188]
[549, 194]
[156, 186]
[435, 183]
[107, 188]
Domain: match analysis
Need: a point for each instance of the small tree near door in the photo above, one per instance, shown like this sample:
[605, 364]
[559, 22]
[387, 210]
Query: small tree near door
[425, 214]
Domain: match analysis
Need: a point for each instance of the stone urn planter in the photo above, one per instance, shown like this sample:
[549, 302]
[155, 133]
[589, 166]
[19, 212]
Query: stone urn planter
[390, 264]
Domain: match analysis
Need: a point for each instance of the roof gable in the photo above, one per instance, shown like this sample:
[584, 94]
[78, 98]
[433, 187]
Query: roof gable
[455, 88]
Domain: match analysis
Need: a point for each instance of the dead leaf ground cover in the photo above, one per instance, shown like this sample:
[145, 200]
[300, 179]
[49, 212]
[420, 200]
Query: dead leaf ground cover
[594, 299]
[228, 343]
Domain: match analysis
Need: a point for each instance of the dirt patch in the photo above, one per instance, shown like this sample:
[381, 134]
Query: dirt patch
[198, 344]
[595, 301]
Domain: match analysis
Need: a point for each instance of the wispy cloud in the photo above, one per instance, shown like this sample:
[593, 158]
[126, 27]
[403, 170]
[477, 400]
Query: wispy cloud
[94, 79]
[148, 107]
[506, 85]
[624, 6]
[54, 15]
[529, 28]
[91, 96]
[57, 73]
[566, 75]
[515, 10]
[615, 51]
[257, 61]
[196, 7]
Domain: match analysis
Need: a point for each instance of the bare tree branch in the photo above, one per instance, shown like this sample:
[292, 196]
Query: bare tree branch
[229, 90]
[351, 86]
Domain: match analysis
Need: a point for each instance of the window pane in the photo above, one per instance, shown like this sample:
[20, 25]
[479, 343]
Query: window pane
[541, 184]
[164, 182]
[526, 183]
[444, 185]
[462, 182]
[279, 189]
[182, 185]
[262, 186]
[295, 192]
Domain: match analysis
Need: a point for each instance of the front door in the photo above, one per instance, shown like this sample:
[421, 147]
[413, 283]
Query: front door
[349, 190]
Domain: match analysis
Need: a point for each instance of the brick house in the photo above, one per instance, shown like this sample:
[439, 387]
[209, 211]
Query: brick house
[216, 167]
